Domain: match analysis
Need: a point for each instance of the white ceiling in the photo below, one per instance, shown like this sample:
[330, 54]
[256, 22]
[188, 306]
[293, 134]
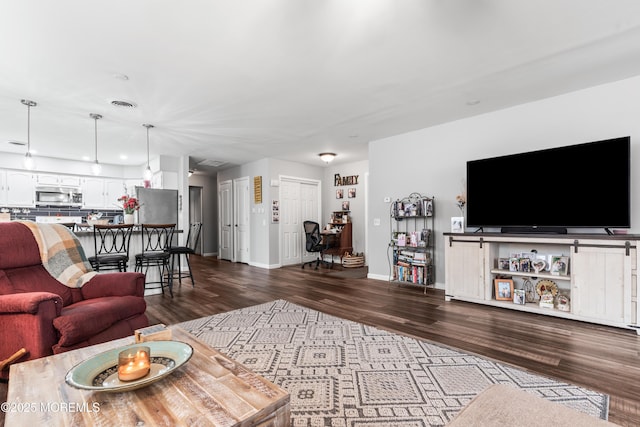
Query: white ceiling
[238, 80]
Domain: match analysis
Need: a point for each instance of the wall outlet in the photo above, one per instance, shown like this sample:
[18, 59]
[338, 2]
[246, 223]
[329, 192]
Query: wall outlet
[387, 199]
[376, 221]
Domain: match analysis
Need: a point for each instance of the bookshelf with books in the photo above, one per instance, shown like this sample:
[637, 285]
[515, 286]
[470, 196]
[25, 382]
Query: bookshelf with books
[412, 244]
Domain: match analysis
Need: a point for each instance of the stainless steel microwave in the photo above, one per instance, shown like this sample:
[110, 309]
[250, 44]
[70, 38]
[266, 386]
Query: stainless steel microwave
[58, 195]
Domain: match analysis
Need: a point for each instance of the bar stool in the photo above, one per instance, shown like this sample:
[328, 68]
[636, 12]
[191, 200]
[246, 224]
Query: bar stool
[191, 243]
[111, 245]
[156, 239]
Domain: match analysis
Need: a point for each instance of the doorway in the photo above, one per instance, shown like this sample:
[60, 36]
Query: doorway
[195, 214]
[299, 202]
[241, 209]
[225, 203]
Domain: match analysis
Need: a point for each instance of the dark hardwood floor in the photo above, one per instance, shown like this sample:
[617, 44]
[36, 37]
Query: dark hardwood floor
[598, 357]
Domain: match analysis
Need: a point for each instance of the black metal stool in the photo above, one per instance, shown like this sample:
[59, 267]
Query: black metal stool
[189, 248]
[111, 244]
[156, 239]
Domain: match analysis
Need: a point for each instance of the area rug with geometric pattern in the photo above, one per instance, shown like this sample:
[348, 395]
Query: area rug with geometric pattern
[343, 373]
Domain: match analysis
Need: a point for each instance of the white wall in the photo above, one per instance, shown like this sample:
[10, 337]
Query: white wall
[265, 238]
[432, 161]
[357, 204]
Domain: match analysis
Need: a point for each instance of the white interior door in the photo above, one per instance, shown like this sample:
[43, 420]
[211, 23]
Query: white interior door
[225, 249]
[241, 209]
[299, 201]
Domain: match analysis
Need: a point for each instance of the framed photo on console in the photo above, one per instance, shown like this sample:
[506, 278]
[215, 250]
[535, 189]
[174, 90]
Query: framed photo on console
[504, 289]
[559, 265]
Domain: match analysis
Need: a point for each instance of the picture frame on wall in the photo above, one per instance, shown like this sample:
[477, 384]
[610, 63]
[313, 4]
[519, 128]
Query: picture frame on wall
[345, 206]
[352, 193]
[503, 289]
[339, 193]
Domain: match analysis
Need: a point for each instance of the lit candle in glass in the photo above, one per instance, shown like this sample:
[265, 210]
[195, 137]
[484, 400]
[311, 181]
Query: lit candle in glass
[134, 363]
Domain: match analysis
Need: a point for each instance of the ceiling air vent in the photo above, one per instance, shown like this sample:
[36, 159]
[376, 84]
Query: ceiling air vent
[212, 163]
[120, 103]
[20, 143]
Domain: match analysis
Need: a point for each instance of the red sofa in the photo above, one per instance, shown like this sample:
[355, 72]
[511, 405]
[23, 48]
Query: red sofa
[45, 317]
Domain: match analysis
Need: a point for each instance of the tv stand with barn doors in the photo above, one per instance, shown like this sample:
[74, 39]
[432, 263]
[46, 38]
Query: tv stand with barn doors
[597, 282]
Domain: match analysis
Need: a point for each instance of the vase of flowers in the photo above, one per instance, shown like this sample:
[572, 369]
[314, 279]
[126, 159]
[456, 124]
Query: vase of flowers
[129, 206]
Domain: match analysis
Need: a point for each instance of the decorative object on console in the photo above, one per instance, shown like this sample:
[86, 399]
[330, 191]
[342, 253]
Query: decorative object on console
[529, 290]
[559, 265]
[547, 289]
[563, 303]
[503, 289]
[546, 286]
[457, 224]
[519, 296]
[546, 301]
[539, 265]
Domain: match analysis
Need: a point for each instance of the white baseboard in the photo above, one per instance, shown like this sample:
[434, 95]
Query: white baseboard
[267, 266]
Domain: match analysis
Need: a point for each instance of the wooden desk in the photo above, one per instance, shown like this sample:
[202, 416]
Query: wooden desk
[342, 242]
[209, 390]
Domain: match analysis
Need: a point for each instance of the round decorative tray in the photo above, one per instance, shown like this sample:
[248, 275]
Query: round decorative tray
[546, 286]
[100, 373]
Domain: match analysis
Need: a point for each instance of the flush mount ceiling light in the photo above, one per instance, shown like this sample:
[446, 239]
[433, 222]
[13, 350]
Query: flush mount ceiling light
[122, 103]
[327, 157]
[96, 168]
[147, 172]
[28, 160]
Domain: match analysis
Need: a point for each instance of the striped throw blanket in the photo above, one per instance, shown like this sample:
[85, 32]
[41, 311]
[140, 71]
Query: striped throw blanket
[62, 254]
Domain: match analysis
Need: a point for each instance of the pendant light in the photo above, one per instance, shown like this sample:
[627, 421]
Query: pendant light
[147, 172]
[96, 168]
[28, 160]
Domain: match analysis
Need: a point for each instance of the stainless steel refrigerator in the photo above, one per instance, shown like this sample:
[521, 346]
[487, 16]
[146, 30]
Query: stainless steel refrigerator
[157, 206]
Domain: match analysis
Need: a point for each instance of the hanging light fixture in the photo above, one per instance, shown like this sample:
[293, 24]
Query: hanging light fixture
[28, 160]
[327, 157]
[147, 172]
[96, 168]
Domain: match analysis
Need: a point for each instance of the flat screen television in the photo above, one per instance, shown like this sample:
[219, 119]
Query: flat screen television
[577, 186]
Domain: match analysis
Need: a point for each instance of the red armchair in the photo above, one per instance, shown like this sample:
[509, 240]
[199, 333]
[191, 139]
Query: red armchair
[44, 316]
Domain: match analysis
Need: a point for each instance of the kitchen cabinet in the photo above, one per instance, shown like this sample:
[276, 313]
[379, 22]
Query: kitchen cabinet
[62, 180]
[101, 193]
[17, 188]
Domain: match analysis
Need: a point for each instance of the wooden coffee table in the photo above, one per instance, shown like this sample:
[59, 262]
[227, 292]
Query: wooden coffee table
[209, 390]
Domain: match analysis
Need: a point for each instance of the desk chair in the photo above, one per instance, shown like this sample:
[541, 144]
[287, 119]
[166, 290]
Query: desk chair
[156, 239]
[191, 243]
[111, 245]
[314, 242]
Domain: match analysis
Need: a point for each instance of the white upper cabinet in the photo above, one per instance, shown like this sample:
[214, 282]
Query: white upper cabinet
[19, 189]
[64, 180]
